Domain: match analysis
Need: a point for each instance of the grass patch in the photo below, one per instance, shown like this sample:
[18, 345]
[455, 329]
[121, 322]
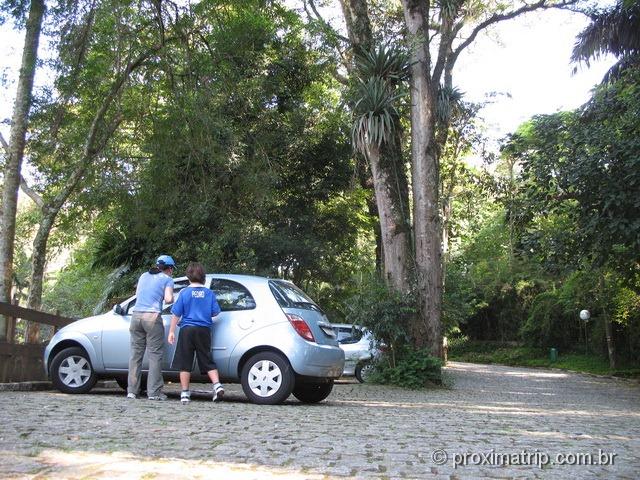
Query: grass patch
[520, 356]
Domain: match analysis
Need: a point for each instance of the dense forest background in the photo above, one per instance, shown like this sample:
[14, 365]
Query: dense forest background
[227, 132]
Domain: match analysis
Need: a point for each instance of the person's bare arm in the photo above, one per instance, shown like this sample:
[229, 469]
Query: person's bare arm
[168, 295]
[172, 329]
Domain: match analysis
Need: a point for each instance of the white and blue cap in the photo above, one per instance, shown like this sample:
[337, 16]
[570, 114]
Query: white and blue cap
[165, 261]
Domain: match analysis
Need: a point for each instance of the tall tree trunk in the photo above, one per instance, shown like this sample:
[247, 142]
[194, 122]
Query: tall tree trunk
[356, 16]
[446, 235]
[396, 238]
[96, 139]
[17, 139]
[38, 262]
[611, 346]
[426, 330]
[366, 183]
[606, 318]
[387, 173]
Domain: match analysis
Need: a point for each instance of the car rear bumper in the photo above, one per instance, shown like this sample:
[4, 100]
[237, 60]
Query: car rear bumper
[315, 360]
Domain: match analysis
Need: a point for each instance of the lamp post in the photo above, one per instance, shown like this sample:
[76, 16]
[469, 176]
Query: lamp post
[585, 315]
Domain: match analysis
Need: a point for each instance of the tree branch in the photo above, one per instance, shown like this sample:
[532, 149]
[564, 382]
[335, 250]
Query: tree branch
[320, 19]
[91, 147]
[32, 194]
[328, 28]
[5, 145]
[499, 17]
[444, 50]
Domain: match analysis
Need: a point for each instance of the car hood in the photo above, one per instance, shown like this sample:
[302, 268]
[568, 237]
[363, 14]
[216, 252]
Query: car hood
[88, 324]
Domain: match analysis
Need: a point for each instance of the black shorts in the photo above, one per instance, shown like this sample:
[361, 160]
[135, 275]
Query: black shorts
[193, 340]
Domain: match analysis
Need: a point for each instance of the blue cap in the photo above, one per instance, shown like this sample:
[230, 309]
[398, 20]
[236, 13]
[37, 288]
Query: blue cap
[165, 261]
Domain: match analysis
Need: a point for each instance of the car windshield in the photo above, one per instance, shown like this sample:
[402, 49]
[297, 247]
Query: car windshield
[288, 295]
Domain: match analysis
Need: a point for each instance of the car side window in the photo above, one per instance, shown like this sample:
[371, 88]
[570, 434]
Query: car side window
[177, 287]
[127, 309]
[232, 296]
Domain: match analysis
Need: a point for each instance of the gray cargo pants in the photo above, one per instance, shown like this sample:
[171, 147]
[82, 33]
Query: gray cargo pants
[147, 333]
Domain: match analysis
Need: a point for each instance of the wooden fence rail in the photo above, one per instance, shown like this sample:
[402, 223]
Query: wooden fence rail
[23, 362]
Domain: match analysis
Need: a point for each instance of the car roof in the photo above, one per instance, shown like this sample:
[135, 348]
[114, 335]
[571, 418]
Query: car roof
[246, 280]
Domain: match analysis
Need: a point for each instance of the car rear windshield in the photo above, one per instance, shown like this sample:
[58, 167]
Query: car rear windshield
[349, 334]
[290, 296]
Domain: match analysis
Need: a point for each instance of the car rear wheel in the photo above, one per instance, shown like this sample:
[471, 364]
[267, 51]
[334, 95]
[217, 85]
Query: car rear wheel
[267, 378]
[363, 371]
[71, 371]
[312, 392]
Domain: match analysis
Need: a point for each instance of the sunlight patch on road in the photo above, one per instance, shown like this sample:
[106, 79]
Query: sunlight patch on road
[390, 404]
[535, 374]
[572, 436]
[82, 464]
[525, 411]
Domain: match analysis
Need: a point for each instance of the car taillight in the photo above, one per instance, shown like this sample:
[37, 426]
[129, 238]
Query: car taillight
[301, 326]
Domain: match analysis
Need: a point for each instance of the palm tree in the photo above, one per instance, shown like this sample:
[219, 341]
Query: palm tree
[615, 31]
[375, 133]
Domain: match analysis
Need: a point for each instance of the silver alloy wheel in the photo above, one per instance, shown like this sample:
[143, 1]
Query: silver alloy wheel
[265, 378]
[74, 371]
[363, 371]
[366, 371]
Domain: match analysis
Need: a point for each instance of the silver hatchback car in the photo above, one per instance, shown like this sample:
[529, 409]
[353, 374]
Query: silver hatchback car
[361, 350]
[270, 337]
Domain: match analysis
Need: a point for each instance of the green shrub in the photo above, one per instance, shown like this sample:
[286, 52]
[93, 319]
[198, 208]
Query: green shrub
[457, 342]
[387, 315]
[384, 312]
[413, 369]
[548, 324]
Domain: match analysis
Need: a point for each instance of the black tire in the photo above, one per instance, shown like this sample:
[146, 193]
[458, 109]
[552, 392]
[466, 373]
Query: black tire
[267, 391]
[122, 382]
[362, 371]
[71, 371]
[312, 392]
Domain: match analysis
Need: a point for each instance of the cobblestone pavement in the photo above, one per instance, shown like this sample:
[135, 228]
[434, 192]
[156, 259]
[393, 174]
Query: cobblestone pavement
[494, 422]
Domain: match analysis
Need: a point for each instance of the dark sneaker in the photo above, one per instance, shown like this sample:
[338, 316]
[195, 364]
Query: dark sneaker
[161, 397]
[185, 397]
[218, 392]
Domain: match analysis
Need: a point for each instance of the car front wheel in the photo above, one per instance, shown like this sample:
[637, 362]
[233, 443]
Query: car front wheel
[71, 371]
[267, 378]
[312, 392]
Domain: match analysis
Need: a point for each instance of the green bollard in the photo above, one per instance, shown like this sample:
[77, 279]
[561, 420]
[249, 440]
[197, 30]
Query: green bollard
[553, 354]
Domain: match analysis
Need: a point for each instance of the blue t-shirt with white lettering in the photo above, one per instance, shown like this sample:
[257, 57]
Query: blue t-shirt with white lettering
[150, 291]
[196, 305]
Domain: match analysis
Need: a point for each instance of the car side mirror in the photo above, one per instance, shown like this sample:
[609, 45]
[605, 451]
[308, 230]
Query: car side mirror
[118, 310]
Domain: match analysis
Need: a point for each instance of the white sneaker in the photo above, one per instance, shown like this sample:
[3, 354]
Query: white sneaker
[132, 395]
[218, 392]
[161, 397]
[185, 397]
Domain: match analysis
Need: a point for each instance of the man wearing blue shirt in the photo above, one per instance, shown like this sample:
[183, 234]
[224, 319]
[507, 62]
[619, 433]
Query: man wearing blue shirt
[146, 328]
[195, 307]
